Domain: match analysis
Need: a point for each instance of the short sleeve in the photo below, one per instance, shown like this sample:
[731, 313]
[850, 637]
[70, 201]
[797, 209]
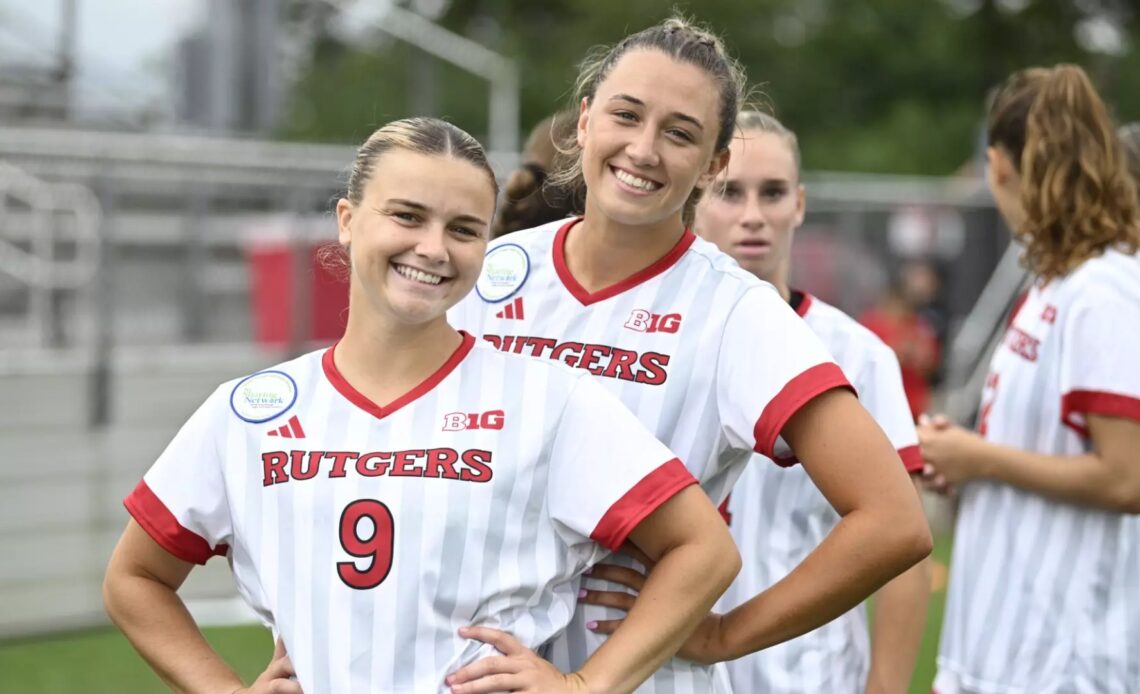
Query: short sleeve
[181, 501]
[1100, 342]
[607, 471]
[770, 364]
[880, 389]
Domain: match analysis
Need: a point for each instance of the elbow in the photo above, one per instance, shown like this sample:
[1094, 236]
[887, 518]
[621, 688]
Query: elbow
[1125, 498]
[911, 540]
[725, 562]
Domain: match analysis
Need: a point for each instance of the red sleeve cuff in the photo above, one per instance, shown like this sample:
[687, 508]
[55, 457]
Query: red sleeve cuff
[158, 522]
[1077, 403]
[795, 394]
[912, 458]
[644, 498]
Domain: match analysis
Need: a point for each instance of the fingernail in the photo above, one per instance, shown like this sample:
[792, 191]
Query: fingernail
[591, 625]
[449, 679]
[582, 593]
[588, 571]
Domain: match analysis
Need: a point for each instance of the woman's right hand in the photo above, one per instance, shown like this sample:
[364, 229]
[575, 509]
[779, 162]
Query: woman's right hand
[275, 679]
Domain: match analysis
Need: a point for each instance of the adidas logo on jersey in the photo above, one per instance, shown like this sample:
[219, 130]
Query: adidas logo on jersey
[289, 430]
[513, 310]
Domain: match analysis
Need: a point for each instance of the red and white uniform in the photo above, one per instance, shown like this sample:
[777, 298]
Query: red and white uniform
[1044, 596]
[708, 357]
[365, 536]
[778, 516]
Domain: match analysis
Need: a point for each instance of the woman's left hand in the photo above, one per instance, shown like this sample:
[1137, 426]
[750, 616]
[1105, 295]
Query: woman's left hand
[697, 648]
[519, 669]
[953, 451]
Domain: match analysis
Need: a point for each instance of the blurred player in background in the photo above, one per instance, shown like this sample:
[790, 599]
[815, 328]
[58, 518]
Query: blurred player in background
[1043, 593]
[528, 202]
[378, 497]
[707, 356]
[778, 516]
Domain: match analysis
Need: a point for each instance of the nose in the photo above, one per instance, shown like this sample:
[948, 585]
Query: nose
[752, 216]
[431, 245]
[642, 149]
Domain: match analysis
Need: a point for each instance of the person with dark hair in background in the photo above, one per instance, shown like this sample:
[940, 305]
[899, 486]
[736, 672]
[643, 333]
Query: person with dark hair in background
[897, 321]
[529, 199]
[1043, 593]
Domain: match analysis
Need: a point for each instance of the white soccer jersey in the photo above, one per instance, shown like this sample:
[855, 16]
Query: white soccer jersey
[366, 536]
[778, 516]
[710, 358]
[1044, 596]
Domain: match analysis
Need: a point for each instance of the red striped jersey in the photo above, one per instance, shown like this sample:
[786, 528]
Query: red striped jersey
[708, 357]
[777, 517]
[366, 535]
[1044, 596]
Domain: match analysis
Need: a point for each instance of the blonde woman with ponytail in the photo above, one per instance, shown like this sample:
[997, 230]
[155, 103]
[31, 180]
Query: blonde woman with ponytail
[1044, 593]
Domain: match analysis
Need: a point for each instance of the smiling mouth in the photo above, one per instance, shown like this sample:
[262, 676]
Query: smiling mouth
[634, 181]
[415, 275]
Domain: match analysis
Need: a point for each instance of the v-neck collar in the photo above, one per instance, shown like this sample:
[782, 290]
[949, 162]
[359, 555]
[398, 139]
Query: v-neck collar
[381, 411]
[586, 298]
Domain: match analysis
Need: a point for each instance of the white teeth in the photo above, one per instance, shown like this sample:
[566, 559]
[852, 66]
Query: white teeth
[631, 180]
[417, 275]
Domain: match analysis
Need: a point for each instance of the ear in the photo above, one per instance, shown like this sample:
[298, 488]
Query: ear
[717, 164]
[1000, 165]
[344, 210]
[801, 204]
[583, 119]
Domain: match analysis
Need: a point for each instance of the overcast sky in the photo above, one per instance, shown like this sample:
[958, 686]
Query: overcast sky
[122, 45]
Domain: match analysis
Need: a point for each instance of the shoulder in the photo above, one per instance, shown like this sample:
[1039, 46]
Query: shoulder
[707, 255]
[1113, 274]
[535, 238]
[267, 394]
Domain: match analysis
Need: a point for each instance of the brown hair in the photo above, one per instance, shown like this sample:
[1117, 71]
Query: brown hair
[419, 135]
[1130, 140]
[528, 202]
[1075, 188]
[679, 39]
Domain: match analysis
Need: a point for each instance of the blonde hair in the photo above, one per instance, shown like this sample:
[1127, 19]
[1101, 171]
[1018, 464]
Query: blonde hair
[679, 39]
[419, 135]
[1075, 188]
[754, 119]
[1130, 139]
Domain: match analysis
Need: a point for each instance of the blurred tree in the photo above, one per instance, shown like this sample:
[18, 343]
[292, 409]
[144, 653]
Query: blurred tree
[872, 85]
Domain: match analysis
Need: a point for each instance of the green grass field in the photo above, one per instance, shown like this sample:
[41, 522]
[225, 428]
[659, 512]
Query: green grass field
[102, 662]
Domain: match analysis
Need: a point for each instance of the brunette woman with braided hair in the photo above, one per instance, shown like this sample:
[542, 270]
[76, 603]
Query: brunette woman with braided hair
[1043, 585]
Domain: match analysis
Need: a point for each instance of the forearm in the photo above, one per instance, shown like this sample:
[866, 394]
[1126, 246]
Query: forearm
[858, 556]
[677, 595]
[157, 624]
[896, 633]
[1079, 479]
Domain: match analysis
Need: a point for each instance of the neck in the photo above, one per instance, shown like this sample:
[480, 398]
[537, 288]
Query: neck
[384, 360]
[601, 252]
[779, 279]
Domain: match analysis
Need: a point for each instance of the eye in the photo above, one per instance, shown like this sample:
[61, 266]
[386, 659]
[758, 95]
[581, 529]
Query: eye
[627, 116]
[729, 193]
[407, 217]
[774, 193]
[466, 231]
[679, 134]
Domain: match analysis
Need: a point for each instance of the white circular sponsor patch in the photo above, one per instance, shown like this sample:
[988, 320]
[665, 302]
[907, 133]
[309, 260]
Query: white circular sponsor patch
[505, 269]
[263, 396]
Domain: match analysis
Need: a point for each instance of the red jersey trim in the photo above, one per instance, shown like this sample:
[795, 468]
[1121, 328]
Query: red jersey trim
[795, 394]
[805, 305]
[644, 275]
[381, 411]
[644, 498]
[1096, 402]
[158, 522]
[912, 458]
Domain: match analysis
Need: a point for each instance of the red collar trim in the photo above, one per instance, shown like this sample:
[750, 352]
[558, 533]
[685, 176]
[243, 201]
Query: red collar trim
[586, 298]
[357, 398]
[805, 305]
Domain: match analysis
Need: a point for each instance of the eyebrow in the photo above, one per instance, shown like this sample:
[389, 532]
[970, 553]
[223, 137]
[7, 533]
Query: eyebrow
[676, 114]
[420, 207]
